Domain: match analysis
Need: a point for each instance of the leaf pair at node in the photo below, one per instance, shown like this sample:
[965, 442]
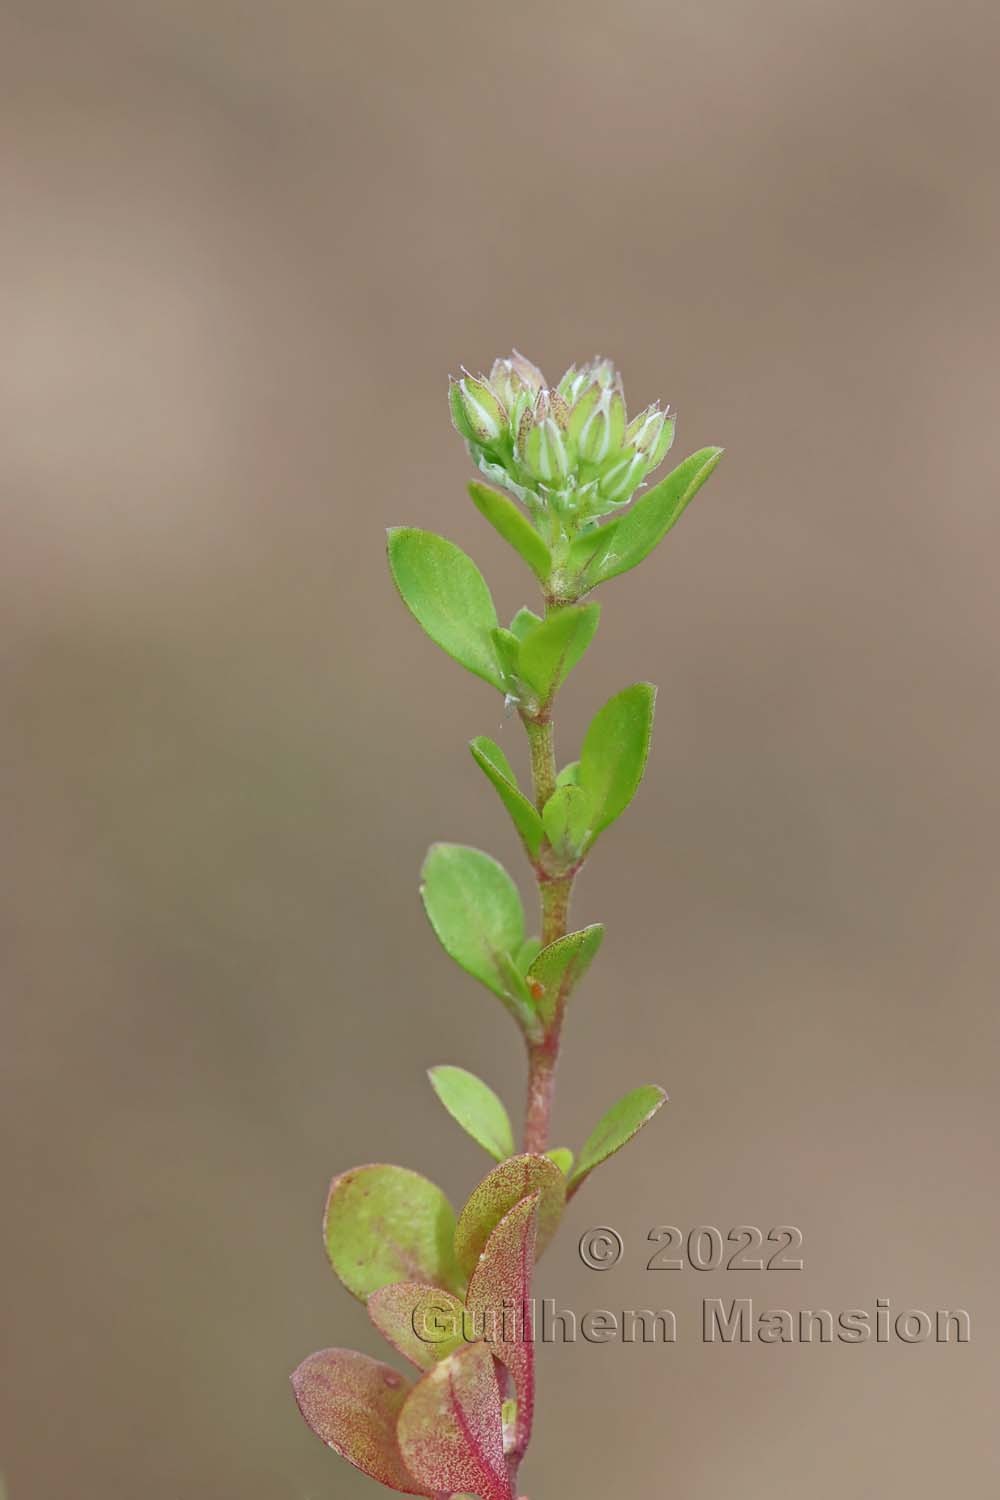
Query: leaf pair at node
[481, 1113]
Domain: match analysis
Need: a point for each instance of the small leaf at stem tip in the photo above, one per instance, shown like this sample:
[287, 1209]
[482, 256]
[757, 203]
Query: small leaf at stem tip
[353, 1404]
[450, 1429]
[446, 593]
[569, 775]
[649, 520]
[423, 1323]
[551, 651]
[563, 1158]
[567, 818]
[615, 1129]
[474, 1105]
[496, 1195]
[494, 764]
[559, 968]
[475, 910]
[384, 1224]
[614, 753]
[516, 530]
[498, 1296]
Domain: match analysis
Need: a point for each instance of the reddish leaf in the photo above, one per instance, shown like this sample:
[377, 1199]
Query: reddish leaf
[424, 1323]
[498, 1296]
[497, 1194]
[353, 1404]
[450, 1429]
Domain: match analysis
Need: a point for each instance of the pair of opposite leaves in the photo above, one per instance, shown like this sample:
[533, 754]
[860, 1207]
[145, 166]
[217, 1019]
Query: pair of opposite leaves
[393, 1239]
[448, 595]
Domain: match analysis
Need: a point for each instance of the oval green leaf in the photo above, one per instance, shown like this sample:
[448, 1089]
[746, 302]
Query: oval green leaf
[446, 593]
[551, 651]
[494, 764]
[385, 1224]
[649, 520]
[476, 1108]
[566, 819]
[558, 969]
[515, 528]
[614, 754]
[475, 910]
[622, 1121]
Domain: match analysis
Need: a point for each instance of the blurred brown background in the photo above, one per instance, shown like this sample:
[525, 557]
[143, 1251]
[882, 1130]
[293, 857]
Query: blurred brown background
[244, 244]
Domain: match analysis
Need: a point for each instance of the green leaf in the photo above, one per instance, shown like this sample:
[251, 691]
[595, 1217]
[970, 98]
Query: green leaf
[476, 1108]
[614, 753]
[622, 1121]
[567, 818]
[589, 543]
[476, 912]
[385, 1224]
[563, 1158]
[423, 1323]
[528, 952]
[569, 775]
[553, 648]
[559, 968]
[508, 654]
[447, 594]
[511, 523]
[649, 520]
[353, 1404]
[495, 765]
[524, 621]
[450, 1429]
[514, 1179]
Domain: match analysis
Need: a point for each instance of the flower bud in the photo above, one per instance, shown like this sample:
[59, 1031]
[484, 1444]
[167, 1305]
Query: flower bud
[514, 378]
[597, 424]
[544, 451]
[618, 483]
[651, 434]
[476, 411]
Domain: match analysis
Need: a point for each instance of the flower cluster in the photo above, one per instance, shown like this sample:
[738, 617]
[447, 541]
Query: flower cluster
[568, 449]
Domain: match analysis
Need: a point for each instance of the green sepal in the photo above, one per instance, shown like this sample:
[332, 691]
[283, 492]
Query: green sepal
[384, 1224]
[649, 520]
[553, 648]
[558, 969]
[494, 764]
[516, 530]
[614, 754]
[446, 593]
[615, 1129]
[496, 1195]
[563, 1158]
[567, 819]
[474, 1106]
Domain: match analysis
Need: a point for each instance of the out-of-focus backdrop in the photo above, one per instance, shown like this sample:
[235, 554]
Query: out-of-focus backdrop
[244, 245]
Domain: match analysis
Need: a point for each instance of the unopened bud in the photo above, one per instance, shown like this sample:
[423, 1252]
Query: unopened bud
[544, 451]
[597, 424]
[622, 478]
[651, 434]
[476, 411]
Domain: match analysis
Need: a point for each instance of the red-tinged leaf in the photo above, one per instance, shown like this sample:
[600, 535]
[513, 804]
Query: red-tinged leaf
[424, 1323]
[498, 1296]
[497, 1194]
[386, 1224]
[450, 1428]
[353, 1403]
